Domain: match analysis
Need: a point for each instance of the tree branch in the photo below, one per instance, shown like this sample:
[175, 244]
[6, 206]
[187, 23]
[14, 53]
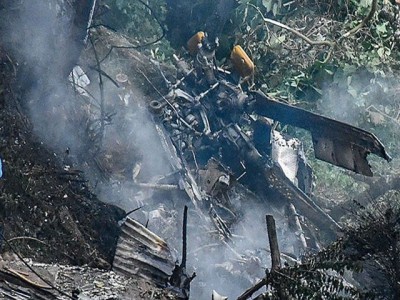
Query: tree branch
[363, 22]
[292, 30]
[330, 44]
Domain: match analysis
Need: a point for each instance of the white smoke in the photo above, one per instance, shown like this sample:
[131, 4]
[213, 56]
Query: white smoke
[60, 117]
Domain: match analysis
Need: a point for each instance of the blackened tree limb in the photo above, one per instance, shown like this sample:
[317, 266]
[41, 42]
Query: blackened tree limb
[154, 15]
[102, 97]
[83, 14]
[184, 238]
[273, 243]
[249, 292]
[275, 258]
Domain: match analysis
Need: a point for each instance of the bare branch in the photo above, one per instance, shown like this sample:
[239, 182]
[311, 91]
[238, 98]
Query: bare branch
[292, 30]
[330, 44]
[363, 22]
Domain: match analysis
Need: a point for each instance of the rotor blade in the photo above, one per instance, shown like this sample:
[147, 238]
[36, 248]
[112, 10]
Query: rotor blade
[335, 142]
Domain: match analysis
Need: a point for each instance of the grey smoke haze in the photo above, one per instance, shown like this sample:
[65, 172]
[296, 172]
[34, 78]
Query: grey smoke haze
[339, 104]
[370, 101]
[38, 41]
[349, 96]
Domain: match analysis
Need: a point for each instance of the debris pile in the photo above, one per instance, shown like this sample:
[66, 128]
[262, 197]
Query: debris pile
[152, 140]
[72, 282]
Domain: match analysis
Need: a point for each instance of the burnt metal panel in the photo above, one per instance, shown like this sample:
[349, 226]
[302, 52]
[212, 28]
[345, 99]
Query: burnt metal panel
[141, 253]
[342, 154]
[291, 193]
[335, 142]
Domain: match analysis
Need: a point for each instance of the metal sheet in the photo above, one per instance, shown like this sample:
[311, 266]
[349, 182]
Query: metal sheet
[288, 191]
[141, 253]
[342, 154]
[335, 142]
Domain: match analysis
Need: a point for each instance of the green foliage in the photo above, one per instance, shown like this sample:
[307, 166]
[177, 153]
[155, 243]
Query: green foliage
[272, 6]
[370, 248]
[134, 19]
[374, 238]
[319, 276]
[142, 22]
[288, 67]
[331, 180]
[357, 85]
[283, 65]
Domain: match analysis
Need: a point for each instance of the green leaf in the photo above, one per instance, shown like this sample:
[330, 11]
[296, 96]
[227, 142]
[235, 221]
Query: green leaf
[365, 3]
[281, 38]
[267, 4]
[381, 52]
[275, 9]
[381, 28]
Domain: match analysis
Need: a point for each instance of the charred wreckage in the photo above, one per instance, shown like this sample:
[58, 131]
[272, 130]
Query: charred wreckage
[217, 133]
[220, 134]
[223, 145]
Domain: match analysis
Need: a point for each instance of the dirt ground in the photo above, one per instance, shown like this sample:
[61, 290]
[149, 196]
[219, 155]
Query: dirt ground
[46, 213]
